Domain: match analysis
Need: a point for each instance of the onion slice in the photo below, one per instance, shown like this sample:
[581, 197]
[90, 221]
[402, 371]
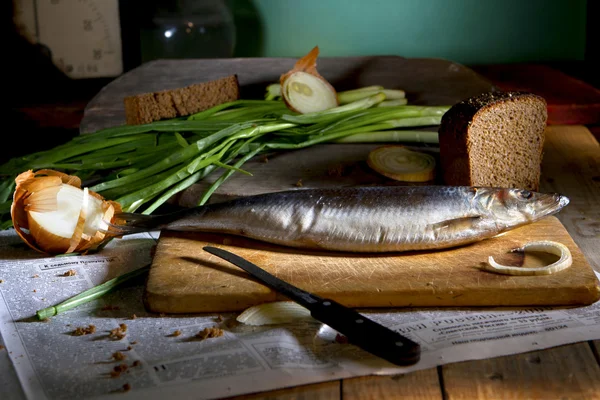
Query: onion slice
[401, 164]
[555, 248]
[53, 215]
[304, 90]
[278, 312]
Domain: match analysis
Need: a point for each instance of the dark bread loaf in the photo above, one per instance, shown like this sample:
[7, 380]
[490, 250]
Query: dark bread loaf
[494, 139]
[148, 107]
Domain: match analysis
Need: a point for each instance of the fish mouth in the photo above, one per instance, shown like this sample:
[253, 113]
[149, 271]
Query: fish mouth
[552, 204]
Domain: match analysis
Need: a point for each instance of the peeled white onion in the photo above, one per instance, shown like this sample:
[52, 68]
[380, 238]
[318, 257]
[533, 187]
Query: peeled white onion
[53, 215]
[306, 93]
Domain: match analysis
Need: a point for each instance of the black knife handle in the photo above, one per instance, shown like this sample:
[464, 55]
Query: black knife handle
[366, 333]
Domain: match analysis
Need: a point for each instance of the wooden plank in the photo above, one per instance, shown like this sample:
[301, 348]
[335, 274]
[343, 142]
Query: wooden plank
[184, 278]
[596, 349]
[565, 372]
[571, 166]
[318, 391]
[422, 384]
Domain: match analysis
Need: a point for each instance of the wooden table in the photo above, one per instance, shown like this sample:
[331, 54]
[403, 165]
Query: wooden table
[571, 166]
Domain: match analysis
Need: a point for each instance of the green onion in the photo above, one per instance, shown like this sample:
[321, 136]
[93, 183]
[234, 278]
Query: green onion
[90, 294]
[391, 137]
[143, 166]
[350, 96]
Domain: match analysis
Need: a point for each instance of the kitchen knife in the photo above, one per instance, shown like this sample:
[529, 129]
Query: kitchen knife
[360, 330]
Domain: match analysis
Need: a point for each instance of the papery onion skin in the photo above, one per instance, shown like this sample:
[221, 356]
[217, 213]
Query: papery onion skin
[37, 191]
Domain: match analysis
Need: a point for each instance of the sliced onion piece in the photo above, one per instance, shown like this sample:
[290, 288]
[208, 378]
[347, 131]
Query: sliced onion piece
[555, 248]
[304, 90]
[401, 164]
[53, 215]
[278, 312]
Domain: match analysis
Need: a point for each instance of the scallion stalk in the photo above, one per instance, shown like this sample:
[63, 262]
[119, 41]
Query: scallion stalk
[90, 294]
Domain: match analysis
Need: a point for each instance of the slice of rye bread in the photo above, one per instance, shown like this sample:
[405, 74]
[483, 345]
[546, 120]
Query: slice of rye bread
[494, 139]
[148, 107]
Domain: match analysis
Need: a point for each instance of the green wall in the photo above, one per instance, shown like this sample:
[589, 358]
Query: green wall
[465, 31]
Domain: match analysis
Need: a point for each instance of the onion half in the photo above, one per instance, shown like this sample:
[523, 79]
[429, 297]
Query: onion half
[402, 164]
[304, 90]
[53, 215]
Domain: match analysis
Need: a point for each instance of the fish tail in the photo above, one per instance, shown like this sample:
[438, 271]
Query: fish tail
[129, 223]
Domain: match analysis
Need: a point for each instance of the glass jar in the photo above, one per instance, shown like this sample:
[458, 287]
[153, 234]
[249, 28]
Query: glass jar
[187, 29]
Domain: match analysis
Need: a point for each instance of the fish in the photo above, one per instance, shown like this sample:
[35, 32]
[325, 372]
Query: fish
[370, 219]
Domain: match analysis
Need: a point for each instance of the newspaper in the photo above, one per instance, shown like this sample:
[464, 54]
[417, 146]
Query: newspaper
[153, 356]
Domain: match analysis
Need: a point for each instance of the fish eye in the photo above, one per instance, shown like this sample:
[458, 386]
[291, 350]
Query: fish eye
[526, 194]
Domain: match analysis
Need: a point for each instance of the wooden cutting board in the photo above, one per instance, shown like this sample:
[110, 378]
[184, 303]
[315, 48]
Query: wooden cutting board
[186, 279]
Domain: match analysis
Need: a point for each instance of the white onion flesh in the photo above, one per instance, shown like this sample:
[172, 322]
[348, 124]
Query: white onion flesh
[62, 222]
[565, 260]
[278, 312]
[307, 93]
[402, 164]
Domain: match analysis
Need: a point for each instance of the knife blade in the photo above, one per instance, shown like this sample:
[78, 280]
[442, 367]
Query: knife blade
[360, 330]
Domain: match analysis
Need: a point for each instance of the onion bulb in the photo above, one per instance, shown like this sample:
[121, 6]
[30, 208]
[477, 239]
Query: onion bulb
[565, 260]
[401, 164]
[54, 215]
[304, 90]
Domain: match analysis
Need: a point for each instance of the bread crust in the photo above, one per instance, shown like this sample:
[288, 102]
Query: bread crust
[145, 108]
[456, 138]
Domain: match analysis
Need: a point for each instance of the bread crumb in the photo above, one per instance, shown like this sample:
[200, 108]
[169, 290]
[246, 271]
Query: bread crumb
[1, 280]
[299, 183]
[219, 318]
[80, 331]
[70, 272]
[133, 316]
[129, 348]
[126, 387]
[119, 356]
[136, 363]
[134, 342]
[34, 290]
[175, 333]
[2, 347]
[162, 315]
[118, 333]
[118, 370]
[210, 332]
[36, 276]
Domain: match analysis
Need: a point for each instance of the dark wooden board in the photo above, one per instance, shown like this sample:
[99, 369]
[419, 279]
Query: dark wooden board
[426, 81]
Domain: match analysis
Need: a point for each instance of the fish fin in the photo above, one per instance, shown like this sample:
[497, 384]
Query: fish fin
[457, 224]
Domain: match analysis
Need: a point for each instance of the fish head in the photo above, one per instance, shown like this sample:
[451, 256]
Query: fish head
[514, 207]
